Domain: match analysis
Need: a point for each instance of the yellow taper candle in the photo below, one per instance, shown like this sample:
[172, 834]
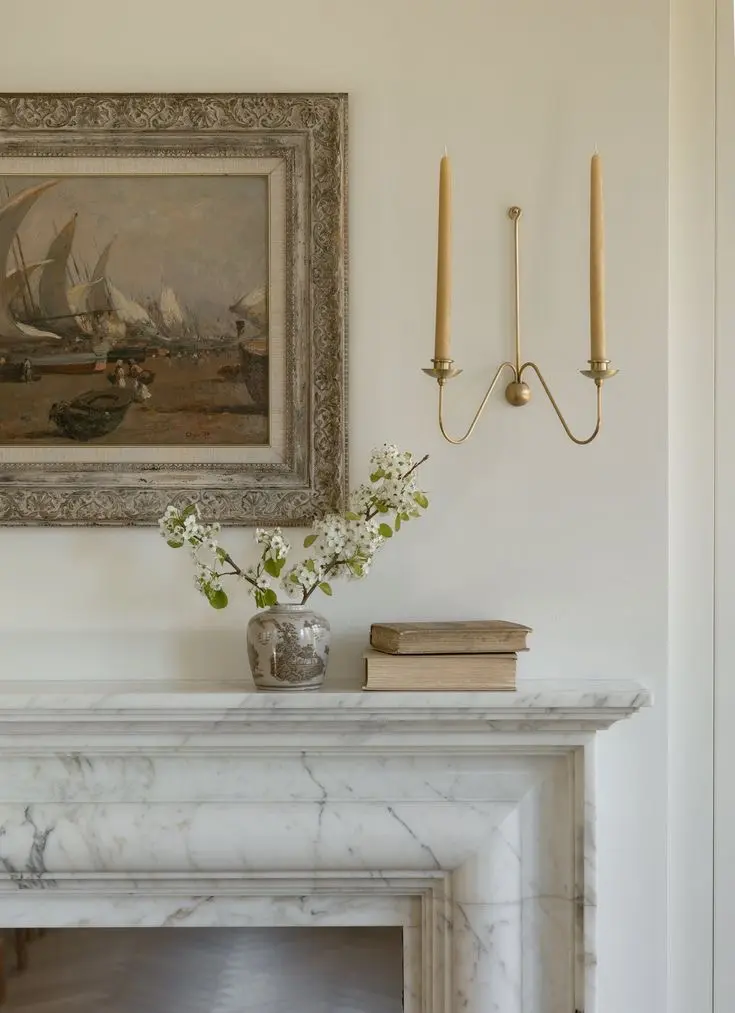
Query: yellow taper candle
[442, 349]
[597, 262]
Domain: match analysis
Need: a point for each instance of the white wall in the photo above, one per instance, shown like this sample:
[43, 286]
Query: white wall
[725, 500]
[572, 541]
[692, 492]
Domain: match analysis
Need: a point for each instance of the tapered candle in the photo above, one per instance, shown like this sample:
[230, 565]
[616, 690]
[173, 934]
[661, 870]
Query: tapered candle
[442, 343]
[597, 262]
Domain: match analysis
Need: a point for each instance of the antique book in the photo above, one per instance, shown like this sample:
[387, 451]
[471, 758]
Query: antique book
[485, 636]
[436, 672]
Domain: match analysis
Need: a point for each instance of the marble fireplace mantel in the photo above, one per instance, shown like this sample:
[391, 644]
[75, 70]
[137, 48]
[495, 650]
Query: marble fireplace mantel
[467, 819]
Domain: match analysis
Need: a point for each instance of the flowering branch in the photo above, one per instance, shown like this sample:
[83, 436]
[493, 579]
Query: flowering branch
[344, 544]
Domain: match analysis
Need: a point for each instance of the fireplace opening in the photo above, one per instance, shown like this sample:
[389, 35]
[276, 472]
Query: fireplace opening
[203, 970]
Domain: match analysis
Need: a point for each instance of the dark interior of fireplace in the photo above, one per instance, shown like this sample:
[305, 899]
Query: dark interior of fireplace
[202, 970]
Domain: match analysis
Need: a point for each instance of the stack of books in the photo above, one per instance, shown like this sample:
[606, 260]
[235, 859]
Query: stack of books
[478, 655]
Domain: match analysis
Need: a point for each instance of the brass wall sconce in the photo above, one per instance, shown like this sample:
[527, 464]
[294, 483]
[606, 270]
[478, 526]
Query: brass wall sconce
[518, 392]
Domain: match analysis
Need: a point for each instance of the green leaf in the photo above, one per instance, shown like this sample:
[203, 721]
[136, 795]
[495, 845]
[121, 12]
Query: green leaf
[309, 564]
[273, 567]
[325, 587]
[188, 511]
[217, 599]
[398, 522]
[377, 475]
[270, 597]
[386, 530]
[294, 578]
[221, 554]
[352, 516]
[404, 516]
[421, 500]
[174, 544]
[309, 540]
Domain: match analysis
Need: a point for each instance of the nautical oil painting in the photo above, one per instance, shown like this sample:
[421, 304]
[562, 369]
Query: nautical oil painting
[134, 310]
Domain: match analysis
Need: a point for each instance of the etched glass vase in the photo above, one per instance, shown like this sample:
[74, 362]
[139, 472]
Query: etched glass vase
[288, 648]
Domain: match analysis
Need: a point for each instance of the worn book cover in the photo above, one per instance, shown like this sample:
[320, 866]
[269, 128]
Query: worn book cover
[436, 672]
[482, 636]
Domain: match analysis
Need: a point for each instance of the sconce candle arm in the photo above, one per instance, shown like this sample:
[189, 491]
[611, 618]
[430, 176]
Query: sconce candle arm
[514, 214]
[518, 393]
[478, 413]
[555, 406]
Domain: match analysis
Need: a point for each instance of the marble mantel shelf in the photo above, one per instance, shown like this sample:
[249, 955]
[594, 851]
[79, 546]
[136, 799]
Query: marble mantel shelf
[468, 819]
[211, 706]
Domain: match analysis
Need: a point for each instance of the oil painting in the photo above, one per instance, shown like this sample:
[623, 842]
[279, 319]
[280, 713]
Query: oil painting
[134, 310]
[172, 306]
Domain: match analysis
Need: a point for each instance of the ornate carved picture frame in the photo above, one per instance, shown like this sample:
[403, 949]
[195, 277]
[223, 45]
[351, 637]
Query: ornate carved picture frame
[173, 309]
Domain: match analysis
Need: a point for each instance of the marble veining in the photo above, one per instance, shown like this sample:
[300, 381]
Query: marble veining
[467, 819]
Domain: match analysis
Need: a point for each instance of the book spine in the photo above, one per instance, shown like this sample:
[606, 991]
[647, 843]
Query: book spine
[433, 687]
[402, 644]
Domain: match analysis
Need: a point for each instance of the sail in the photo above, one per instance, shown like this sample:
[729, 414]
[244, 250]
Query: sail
[15, 281]
[253, 306]
[79, 297]
[12, 214]
[129, 311]
[100, 268]
[99, 298]
[52, 287]
[171, 312]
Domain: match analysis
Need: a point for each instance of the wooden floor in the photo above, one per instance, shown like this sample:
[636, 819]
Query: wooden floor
[210, 971]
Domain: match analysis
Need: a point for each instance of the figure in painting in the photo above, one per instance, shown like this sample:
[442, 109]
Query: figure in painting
[119, 374]
[140, 391]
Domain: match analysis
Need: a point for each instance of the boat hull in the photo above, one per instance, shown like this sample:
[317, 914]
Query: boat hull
[70, 367]
[254, 370]
[91, 415]
[138, 353]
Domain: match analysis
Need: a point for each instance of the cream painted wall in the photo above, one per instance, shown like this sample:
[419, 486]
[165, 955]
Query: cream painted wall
[724, 905]
[572, 541]
[692, 380]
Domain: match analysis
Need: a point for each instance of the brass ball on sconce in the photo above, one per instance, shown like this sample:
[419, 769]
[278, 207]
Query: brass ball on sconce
[517, 393]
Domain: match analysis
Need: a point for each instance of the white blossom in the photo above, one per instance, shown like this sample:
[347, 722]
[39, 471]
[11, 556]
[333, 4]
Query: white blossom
[278, 547]
[291, 587]
[275, 545]
[397, 495]
[362, 499]
[341, 544]
[331, 532]
[391, 461]
[206, 579]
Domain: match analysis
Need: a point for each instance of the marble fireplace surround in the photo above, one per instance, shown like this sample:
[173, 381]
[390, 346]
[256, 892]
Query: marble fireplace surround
[468, 819]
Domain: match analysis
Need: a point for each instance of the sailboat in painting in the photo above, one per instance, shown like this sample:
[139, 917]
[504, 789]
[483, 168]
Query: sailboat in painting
[171, 313]
[54, 308]
[117, 315]
[12, 213]
[92, 310]
[253, 308]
